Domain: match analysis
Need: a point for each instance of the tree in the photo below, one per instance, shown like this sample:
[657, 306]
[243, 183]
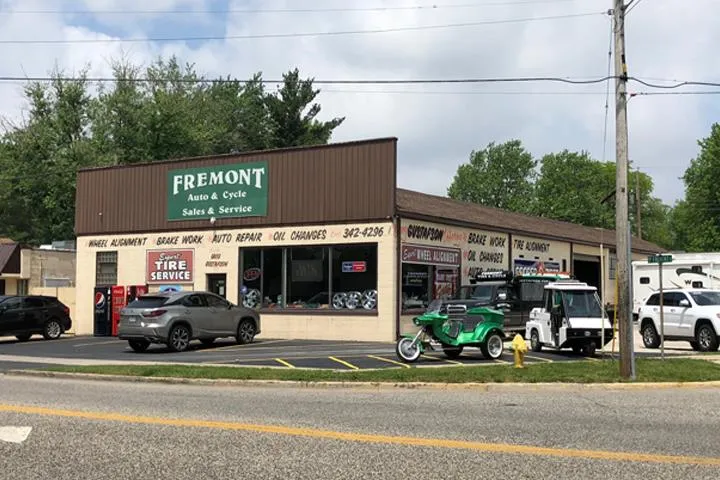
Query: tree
[498, 176]
[291, 124]
[175, 113]
[698, 217]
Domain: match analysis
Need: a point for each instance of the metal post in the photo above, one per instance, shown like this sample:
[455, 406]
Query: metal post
[621, 193]
[662, 313]
[602, 299]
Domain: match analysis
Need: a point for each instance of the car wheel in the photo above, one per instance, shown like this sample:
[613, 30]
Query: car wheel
[52, 330]
[245, 332]
[179, 338]
[492, 348]
[706, 339]
[452, 352]
[139, 345]
[650, 337]
[589, 349]
[535, 344]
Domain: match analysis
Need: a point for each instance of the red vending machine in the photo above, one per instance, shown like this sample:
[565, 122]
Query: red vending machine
[118, 301]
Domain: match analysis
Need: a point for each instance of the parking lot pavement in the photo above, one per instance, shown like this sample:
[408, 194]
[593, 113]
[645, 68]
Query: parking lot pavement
[277, 353]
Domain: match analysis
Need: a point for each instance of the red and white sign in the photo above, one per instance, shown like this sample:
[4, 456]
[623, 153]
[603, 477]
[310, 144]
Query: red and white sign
[431, 255]
[252, 274]
[170, 266]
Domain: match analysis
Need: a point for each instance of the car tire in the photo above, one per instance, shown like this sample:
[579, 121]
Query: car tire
[179, 338]
[245, 332]
[706, 338]
[52, 330]
[535, 344]
[492, 348]
[650, 337]
[139, 345]
[23, 337]
[589, 349]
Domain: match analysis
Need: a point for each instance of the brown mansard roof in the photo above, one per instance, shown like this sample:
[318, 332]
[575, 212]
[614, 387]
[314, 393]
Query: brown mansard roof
[435, 208]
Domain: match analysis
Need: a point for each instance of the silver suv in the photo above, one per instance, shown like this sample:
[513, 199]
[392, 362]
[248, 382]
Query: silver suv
[176, 318]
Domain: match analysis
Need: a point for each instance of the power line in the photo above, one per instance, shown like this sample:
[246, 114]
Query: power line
[299, 34]
[675, 85]
[285, 10]
[607, 92]
[630, 5]
[568, 80]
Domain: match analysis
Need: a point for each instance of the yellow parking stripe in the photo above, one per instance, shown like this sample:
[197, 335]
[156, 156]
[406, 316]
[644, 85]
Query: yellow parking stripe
[280, 360]
[389, 361]
[349, 365]
[438, 359]
[538, 358]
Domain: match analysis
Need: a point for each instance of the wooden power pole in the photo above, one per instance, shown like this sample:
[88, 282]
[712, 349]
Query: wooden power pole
[624, 314]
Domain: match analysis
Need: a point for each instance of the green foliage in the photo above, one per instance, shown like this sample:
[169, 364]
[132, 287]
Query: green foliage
[498, 176]
[698, 217]
[72, 124]
[570, 186]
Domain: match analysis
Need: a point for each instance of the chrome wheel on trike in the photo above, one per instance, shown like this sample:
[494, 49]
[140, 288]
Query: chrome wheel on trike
[408, 349]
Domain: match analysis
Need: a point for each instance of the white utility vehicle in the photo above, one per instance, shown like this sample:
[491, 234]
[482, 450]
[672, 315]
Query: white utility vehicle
[572, 316]
[691, 315]
[686, 271]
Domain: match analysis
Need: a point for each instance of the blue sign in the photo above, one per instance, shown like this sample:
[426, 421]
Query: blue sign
[354, 267]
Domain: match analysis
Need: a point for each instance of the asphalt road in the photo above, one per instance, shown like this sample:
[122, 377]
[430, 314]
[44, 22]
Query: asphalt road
[99, 430]
[262, 352]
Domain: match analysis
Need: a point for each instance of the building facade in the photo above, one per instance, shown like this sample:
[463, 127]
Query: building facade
[319, 239]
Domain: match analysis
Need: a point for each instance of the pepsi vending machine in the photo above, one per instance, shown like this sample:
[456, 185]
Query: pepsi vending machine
[101, 308]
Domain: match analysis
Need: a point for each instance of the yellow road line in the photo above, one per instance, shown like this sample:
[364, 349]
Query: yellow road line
[280, 360]
[405, 365]
[500, 448]
[349, 365]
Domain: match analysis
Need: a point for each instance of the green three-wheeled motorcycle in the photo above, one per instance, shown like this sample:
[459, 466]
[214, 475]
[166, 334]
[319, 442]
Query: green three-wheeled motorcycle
[454, 327]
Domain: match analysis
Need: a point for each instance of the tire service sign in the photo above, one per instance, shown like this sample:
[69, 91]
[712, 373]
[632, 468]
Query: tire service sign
[170, 266]
[218, 191]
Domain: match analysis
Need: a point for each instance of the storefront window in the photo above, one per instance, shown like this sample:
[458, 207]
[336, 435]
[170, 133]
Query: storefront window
[342, 277]
[106, 268]
[354, 277]
[415, 286]
[307, 277]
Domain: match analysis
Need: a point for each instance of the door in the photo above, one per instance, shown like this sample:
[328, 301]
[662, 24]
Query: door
[510, 305]
[217, 284]
[671, 311]
[34, 313]
[683, 319]
[220, 318]
[11, 320]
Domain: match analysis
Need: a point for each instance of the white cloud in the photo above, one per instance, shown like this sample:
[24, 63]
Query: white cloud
[436, 132]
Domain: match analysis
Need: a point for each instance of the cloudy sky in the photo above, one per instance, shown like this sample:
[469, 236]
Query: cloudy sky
[437, 125]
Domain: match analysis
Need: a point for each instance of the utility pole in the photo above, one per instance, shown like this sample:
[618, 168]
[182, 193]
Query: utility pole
[624, 315]
[637, 204]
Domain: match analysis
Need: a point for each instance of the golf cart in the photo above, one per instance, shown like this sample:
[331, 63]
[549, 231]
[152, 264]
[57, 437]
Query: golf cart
[454, 327]
[572, 316]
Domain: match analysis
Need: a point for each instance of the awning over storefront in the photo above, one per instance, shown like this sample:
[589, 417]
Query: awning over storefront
[9, 257]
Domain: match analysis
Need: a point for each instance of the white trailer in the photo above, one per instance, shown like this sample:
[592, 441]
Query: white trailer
[687, 270]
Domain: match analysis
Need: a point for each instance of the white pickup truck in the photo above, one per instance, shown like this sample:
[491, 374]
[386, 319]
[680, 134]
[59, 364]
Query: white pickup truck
[691, 315]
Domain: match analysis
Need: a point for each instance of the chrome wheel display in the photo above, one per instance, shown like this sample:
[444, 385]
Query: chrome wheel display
[354, 300]
[338, 300]
[369, 299]
[251, 299]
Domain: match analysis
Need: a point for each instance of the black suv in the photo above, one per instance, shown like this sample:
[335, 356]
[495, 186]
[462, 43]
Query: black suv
[26, 315]
[514, 294]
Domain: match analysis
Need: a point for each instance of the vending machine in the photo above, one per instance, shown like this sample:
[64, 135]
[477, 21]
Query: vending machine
[101, 309]
[118, 301]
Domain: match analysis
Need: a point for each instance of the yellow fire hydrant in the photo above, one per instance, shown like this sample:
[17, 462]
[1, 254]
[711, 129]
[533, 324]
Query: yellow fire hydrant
[519, 348]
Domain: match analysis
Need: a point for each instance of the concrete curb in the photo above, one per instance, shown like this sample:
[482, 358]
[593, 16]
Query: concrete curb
[487, 387]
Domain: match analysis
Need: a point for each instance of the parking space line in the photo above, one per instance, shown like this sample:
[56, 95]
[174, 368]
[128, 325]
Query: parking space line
[405, 365]
[349, 365]
[504, 362]
[438, 359]
[280, 360]
[108, 342]
[539, 358]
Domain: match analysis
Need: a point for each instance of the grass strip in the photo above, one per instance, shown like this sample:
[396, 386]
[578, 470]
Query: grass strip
[648, 370]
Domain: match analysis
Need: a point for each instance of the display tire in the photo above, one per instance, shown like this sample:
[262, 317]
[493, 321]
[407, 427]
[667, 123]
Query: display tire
[492, 348]
[402, 347]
